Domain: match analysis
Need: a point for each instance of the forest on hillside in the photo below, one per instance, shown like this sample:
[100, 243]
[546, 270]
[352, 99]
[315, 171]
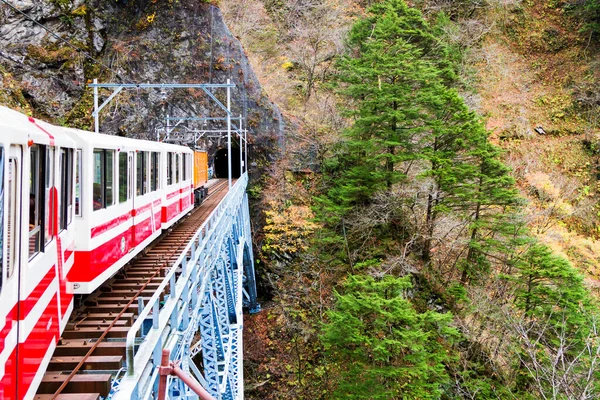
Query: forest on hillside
[409, 248]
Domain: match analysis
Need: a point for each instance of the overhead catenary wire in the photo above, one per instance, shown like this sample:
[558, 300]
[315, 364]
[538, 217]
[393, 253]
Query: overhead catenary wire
[68, 43]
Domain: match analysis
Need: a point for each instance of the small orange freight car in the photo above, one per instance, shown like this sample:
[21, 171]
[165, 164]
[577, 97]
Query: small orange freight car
[200, 176]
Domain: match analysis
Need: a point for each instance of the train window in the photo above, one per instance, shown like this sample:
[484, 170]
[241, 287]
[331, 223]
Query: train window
[189, 166]
[154, 182]
[110, 177]
[123, 177]
[177, 164]
[130, 175]
[37, 155]
[98, 190]
[49, 179]
[103, 178]
[169, 168]
[142, 173]
[185, 166]
[78, 167]
[66, 187]
[13, 194]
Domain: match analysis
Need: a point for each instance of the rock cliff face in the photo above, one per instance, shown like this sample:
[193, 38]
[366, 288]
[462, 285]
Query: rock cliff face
[50, 50]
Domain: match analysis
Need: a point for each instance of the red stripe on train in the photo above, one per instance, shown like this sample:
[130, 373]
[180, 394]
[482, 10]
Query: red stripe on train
[8, 325]
[31, 353]
[173, 194]
[169, 212]
[25, 306]
[50, 136]
[90, 264]
[113, 223]
[177, 192]
[69, 252]
[8, 385]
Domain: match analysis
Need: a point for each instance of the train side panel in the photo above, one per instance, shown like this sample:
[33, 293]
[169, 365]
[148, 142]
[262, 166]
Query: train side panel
[200, 169]
[10, 214]
[200, 176]
[46, 300]
[178, 179]
[120, 199]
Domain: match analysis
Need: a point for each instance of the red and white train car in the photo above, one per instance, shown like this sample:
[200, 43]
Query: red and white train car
[75, 207]
[126, 191]
[37, 245]
[178, 196]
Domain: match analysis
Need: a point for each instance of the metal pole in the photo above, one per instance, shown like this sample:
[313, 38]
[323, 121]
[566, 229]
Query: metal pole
[229, 132]
[169, 368]
[246, 149]
[192, 384]
[96, 121]
[167, 133]
[240, 139]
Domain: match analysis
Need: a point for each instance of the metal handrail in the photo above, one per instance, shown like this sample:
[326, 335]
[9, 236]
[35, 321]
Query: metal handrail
[153, 303]
[169, 368]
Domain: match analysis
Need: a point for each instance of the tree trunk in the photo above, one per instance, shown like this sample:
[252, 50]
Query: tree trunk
[471, 254]
[432, 199]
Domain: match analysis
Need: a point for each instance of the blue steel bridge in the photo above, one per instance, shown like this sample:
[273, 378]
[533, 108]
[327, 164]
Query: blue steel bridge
[200, 321]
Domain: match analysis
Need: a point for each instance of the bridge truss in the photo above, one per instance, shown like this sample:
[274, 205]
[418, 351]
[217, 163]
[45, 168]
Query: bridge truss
[200, 321]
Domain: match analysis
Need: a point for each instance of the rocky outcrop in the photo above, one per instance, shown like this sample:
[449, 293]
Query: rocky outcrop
[51, 49]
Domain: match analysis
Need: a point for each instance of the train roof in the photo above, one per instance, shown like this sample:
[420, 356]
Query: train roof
[18, 128]
[100, 139]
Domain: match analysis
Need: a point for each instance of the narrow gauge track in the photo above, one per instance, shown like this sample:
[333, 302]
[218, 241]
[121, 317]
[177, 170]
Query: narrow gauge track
[91, 350]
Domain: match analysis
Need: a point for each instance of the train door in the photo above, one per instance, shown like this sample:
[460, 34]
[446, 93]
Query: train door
[131, 195]
[10, 215]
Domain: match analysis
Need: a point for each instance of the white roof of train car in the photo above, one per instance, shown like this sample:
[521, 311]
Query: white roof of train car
[19, 129]
[99, 140]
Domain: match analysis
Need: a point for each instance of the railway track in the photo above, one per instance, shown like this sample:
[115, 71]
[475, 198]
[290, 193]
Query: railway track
[91, 351]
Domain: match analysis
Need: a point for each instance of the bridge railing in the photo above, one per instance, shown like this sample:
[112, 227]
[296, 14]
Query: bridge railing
[169, 320]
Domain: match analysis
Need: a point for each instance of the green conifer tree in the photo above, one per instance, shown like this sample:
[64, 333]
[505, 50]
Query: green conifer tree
[396, 78]
[380, 347]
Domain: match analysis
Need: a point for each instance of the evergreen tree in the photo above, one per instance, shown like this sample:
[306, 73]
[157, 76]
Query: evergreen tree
[591, 13]
[490, 208]
[396, 77]
[393, 55]
[381, 347]
[452, 133]
[546, 283]
[552, 302]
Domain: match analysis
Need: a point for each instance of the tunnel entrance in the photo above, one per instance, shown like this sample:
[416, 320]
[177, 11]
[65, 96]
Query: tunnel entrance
[221, 163]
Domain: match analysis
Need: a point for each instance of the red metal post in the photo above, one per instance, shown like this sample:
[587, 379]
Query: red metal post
[162, 380]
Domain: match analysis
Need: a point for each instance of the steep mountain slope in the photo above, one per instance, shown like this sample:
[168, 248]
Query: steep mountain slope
[523, 65]
[535, 69]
